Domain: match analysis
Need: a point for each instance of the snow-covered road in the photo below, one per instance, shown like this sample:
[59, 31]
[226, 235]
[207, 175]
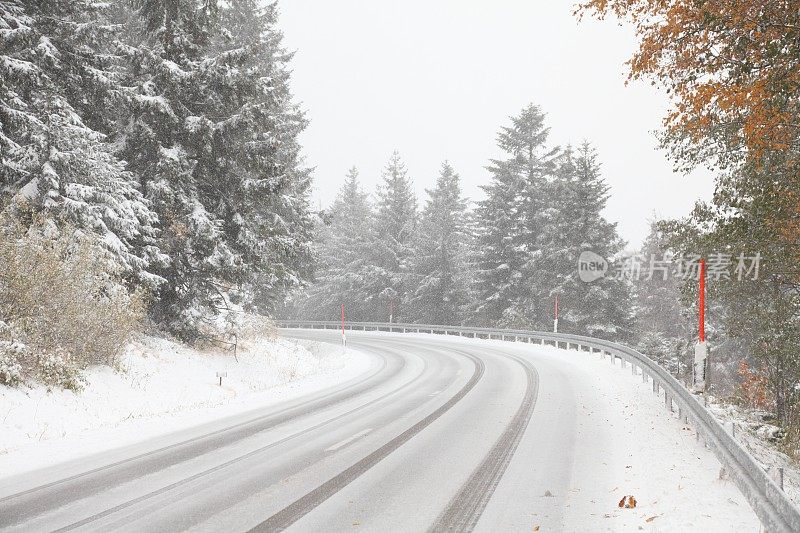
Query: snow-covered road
[438, 433]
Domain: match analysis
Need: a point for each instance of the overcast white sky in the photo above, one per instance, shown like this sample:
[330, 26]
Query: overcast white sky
[436, 79]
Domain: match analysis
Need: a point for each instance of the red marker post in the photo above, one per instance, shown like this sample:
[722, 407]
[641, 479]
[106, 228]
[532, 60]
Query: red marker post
[702, 329]
[344, 339]
[701, 348]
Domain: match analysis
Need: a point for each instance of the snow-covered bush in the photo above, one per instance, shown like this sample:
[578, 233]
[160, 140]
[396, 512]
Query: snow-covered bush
[257, 327]
[11, 363]
[12, 356]
[234, 328]
[59, 370]
[64, 299]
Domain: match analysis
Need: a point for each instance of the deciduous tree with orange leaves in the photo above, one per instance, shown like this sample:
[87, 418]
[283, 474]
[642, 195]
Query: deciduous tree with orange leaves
[731, 66]
[732, 69]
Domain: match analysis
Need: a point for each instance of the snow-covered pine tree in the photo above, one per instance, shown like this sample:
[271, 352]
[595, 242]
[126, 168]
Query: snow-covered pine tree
[395, 222]
[662, 329]
[346, 273]
[52, 64]
[499, 260]
[162, 140]
[258, 166]
[511, 219]
[212, 134]
[441, 269]
[601, 308]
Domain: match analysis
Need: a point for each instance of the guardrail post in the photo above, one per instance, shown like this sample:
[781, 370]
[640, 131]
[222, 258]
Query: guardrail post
[780, 477]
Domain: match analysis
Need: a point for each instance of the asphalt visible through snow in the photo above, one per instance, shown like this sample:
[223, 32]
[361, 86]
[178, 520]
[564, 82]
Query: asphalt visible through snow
[440, 434]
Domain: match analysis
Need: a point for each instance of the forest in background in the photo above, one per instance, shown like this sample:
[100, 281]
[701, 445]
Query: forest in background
[501, 262]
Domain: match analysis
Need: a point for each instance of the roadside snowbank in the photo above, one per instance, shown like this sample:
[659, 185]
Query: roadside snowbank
[163, 387]
[760, 439]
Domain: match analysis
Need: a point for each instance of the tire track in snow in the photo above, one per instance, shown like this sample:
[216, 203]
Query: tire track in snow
[466, 507]
[302, 506]
[227, 464]
[18, 507]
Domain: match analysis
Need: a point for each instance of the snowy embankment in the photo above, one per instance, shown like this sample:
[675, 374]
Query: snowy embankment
[162, 387]
[762, 440]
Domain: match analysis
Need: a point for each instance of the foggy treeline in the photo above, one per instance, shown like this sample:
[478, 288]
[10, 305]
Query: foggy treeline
[501, 262]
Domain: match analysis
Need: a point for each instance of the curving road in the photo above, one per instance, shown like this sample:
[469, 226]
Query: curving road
[440, 435]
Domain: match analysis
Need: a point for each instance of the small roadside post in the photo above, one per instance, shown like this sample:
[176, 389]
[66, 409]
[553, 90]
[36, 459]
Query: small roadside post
[701, 348]
[344, 339]
[221, 375]
[555, 316]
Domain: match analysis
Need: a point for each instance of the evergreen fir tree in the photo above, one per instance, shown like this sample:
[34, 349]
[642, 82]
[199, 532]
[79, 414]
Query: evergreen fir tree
[511, 220]
[258, 167]
[212, 134]
[600, 308]
[53, 161]
[395, 223]
[165, 133]
[440, 266]
[661, 328]
[345, 270]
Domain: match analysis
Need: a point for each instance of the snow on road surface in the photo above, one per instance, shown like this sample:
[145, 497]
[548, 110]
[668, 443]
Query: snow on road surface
[164, 387]
[627, 443]
[597, 433]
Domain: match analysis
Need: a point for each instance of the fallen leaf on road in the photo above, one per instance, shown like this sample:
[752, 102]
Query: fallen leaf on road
[651, 518]
[628, 502]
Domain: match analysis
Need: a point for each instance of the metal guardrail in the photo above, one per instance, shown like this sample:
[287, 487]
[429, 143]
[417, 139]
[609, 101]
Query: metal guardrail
[775, 510]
